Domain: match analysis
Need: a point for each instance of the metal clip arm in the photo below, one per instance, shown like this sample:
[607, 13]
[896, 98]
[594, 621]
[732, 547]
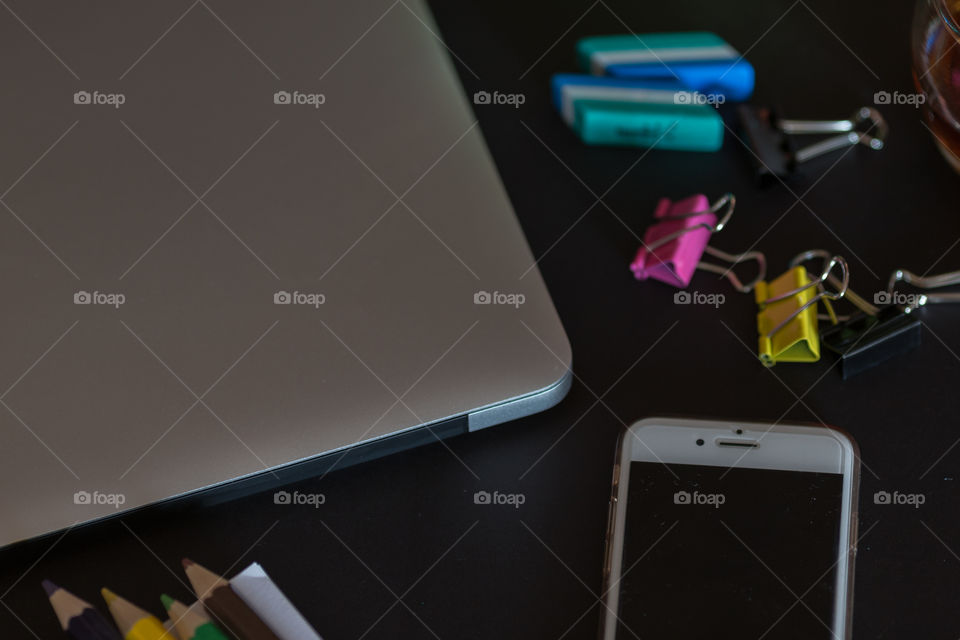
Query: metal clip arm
[728, 200]
[926, 283]
[851, 132]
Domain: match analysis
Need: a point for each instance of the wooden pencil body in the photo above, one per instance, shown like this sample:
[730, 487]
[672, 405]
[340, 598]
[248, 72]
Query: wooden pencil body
[236, 618]
[90, 625]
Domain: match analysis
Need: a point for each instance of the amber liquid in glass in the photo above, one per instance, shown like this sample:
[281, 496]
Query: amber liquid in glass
[937, 75]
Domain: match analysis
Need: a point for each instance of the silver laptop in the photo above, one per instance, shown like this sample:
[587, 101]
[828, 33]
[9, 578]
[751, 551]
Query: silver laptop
[240, 236]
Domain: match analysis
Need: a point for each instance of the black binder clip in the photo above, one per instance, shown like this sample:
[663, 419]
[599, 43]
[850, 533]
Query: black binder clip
[872, 336]
[774, 154]
[878, 333]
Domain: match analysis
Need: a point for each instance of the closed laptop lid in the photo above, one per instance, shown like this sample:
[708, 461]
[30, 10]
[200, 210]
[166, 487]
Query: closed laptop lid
[236, 235]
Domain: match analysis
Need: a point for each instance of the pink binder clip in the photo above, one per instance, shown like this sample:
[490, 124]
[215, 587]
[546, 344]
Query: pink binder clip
[673, 247]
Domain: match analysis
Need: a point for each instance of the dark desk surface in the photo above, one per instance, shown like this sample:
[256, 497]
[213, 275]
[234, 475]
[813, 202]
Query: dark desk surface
[399, 550]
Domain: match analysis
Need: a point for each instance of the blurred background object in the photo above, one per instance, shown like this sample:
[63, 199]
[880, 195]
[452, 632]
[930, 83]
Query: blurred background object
[936, 71]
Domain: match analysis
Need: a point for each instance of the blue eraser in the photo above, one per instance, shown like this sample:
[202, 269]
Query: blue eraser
[731, 79]
[699, 60]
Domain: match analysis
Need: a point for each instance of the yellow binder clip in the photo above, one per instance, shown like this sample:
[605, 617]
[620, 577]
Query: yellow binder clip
[787, 322]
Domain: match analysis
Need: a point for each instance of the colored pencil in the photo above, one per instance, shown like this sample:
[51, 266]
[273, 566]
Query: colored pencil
[265, 598]
[134, 622]
[191, 622]
[225, 606]
[77, 617]
[168, 625]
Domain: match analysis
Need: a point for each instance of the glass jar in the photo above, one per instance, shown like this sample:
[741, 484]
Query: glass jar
[936, 71]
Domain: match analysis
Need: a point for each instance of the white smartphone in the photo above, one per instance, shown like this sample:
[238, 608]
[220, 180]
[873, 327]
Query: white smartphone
[731, 529]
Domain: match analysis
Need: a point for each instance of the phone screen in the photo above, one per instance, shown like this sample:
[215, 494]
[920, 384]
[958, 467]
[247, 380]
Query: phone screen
[729, 552]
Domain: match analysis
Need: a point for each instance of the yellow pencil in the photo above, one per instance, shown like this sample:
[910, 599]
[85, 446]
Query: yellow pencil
[134, 622]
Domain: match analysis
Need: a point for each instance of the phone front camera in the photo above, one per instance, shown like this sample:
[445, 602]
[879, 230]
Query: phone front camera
[699, 442]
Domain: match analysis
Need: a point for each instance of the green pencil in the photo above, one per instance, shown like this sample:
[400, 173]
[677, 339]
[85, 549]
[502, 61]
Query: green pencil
[191, 623]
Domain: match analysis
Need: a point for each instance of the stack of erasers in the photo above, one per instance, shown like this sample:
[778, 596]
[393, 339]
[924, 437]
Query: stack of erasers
[249, 607]
[654, 90]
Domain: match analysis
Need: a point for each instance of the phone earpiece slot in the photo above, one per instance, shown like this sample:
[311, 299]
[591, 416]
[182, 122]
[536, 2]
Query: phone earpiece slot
[748, 444]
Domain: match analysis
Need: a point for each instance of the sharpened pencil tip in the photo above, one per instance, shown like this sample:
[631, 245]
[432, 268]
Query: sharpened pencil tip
[167, 601]
[187, 562]
[49, 587]
[108, 596]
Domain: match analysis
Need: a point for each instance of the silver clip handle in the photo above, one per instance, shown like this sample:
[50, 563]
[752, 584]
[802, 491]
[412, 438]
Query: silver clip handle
[926, 283]
[728, 200]
[822, 295]
[855, 299]
[873, 136]
[735, 259]
[817, 281]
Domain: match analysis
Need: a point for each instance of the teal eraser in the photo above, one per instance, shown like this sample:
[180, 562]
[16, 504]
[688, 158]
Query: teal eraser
[656, 125]
[567, 89]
